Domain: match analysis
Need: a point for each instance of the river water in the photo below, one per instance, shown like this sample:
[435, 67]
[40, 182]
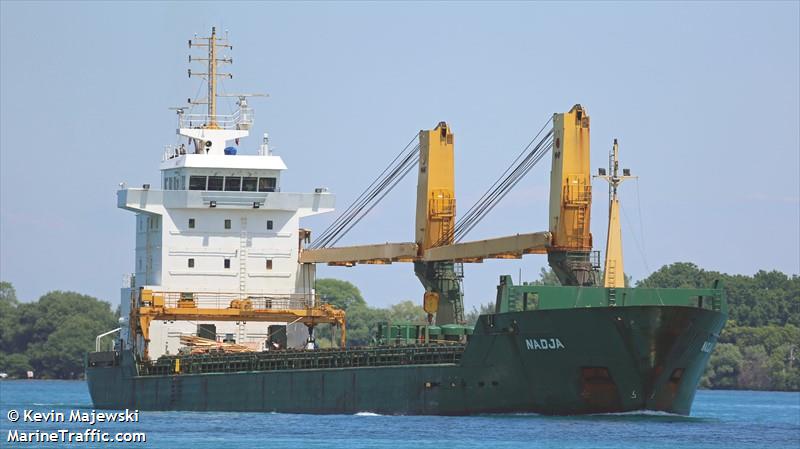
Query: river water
[720, 419]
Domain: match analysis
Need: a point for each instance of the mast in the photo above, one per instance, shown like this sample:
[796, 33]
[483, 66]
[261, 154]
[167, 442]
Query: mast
[212, 78]
[213, 43]
[614, 269]
[570, 253]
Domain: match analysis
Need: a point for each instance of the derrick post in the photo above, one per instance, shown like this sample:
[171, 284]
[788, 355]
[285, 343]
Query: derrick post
[571, 199]
[435, 220]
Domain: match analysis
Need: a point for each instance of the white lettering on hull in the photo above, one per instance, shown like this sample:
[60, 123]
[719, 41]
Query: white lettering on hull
[543, 344]
[707, 347]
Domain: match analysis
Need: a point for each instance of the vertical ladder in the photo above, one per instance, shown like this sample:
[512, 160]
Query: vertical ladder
[611, 277]
[611, 272]
[242, 273]
[243, 257]
[458, 307]
[580, 223]
[446, 229]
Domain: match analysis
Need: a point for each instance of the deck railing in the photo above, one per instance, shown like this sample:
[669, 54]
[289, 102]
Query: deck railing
[241, 119]
[222, 300]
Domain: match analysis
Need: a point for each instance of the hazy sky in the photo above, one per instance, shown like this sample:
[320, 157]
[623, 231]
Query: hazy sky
[703, 98]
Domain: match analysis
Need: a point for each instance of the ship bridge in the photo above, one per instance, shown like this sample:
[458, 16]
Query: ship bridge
[219, 226]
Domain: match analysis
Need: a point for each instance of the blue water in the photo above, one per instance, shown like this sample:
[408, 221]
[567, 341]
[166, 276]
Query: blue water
[720, 419]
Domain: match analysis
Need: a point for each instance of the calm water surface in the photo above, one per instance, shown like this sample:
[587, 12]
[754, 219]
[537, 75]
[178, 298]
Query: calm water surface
[720, 419]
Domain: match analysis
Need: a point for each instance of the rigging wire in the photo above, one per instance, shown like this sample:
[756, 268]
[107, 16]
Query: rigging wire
[635, 239]
[641, 222]
[397, 169]
[639, 247]
[507, 169]
[375, 203]
[379, 181]
[407, 159]
[515, 177]
[356, 208]
[518, 168]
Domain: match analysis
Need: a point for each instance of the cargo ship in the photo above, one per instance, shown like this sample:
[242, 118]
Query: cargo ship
[221, 311]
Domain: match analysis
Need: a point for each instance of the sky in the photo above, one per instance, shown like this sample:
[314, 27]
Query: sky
[703, 98]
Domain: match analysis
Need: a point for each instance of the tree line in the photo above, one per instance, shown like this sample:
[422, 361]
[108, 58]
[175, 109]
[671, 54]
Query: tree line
[50, 336]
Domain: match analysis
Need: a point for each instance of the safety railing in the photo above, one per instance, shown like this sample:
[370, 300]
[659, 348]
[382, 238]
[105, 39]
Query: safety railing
[305, 359]
[224, 300]
[241, 119]
[97, 339]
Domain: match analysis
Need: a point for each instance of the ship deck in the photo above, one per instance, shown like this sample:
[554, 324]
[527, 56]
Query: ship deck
[423, 354]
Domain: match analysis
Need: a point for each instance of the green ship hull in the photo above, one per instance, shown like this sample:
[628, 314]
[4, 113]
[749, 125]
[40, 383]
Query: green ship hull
[549, 350]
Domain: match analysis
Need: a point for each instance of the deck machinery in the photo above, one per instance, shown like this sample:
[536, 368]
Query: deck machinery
[570, 349]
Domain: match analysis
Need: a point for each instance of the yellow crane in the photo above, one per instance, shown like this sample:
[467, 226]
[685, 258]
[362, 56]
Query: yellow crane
[434, 253]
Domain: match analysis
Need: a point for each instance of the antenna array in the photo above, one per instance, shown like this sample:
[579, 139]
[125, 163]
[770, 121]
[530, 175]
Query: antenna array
[213, 43]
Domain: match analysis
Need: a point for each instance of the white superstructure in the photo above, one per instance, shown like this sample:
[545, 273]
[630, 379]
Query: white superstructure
[219, 228]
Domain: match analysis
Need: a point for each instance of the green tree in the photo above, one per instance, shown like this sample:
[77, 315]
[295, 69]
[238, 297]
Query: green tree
[784, 369]
[755, 369]
[341, 294]
[9, 326]
[762, 299]
[547, 277]
[768, 360]
[15, 365]
[679, 275]
[407, 311]
[362, 323]
[52, 335]
[8, 295]
[724, 367]
[472, 316]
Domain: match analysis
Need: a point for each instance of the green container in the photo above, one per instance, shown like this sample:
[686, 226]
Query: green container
[434, 331]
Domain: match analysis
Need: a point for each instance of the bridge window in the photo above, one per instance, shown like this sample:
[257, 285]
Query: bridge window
[233, 183]
[269, 225]
[269, 264]
[197, 182]
[266, 184]
[249, 184]
[191, 223]
[215, 182]
[191, 263]
[227, 263]
[227, 224]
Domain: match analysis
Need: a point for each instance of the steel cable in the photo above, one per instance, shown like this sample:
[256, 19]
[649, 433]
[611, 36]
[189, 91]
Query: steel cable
[371, 196]
[356, 211]
[515, 171]
[517, 175]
